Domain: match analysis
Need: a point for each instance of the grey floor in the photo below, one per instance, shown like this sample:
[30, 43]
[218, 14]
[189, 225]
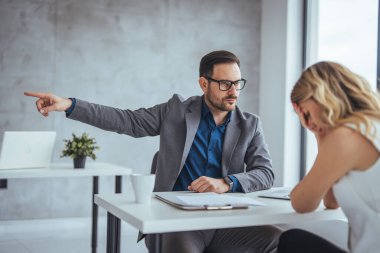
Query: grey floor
[72, 235]
[68, 235]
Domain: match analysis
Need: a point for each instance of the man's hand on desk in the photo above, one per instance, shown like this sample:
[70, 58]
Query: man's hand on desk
[49, 102]
[208, 184]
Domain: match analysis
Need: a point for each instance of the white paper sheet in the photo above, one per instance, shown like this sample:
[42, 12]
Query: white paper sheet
[214, 199]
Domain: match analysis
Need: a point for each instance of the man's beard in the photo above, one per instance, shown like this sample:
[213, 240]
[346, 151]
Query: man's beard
[221, 106]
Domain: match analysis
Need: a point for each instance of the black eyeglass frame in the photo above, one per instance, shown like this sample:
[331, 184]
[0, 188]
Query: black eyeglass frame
[228, 82]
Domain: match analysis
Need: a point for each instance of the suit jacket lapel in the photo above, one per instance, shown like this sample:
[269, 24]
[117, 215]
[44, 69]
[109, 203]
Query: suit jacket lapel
[231, 138]
[193, 117]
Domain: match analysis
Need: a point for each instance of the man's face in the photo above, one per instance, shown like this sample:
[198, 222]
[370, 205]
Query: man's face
[221, 100]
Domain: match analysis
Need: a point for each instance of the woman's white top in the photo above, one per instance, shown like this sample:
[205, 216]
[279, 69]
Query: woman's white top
[358, 193]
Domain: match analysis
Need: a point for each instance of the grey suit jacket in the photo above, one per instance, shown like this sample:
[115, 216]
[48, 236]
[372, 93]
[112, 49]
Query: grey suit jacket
[245, 153]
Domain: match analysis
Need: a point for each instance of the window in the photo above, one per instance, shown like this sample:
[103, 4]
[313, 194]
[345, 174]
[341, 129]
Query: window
[345, 31]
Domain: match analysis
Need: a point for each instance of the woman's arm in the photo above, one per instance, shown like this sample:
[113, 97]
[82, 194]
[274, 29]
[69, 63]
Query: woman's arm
[329, 200]
[337, 154]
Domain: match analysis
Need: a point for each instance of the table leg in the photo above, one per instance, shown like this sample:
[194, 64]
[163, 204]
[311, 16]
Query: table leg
[118, 185]
[94, 232]
[113, 226]
[157, 243]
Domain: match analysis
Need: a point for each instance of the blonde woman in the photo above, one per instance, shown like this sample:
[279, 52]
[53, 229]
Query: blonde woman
[342, 111]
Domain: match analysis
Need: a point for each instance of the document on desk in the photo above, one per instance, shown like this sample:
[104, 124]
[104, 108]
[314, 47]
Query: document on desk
[206, 201]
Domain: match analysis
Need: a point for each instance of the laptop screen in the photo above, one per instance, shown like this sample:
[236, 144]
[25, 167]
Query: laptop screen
[26, 149]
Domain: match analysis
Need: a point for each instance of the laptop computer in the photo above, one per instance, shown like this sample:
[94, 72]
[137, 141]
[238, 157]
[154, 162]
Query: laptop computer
[283, 193]
[26, 149]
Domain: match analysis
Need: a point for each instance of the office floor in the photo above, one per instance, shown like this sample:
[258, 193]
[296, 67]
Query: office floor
[68, 235]
[72, 235]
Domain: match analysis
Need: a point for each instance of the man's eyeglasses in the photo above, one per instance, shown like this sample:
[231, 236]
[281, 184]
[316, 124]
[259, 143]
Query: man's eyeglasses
[225, 85]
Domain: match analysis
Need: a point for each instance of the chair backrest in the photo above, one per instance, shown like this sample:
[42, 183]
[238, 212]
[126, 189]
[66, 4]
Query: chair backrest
[154, 164]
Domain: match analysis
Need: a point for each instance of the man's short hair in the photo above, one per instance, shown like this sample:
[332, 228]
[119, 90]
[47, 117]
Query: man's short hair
[208, 61]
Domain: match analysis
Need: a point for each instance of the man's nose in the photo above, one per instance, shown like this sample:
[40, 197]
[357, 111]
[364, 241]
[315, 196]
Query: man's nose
[233, 90]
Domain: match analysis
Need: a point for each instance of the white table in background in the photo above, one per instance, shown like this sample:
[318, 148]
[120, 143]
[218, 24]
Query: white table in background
[159, 217]
[94, 169]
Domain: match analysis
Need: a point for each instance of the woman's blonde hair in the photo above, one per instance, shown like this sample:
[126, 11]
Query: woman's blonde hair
[344, 96]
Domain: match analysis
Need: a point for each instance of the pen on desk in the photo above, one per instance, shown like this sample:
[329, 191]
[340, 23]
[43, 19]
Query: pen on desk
[218, 207]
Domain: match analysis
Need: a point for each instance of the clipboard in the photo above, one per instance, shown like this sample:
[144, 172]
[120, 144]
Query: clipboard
[176, 199]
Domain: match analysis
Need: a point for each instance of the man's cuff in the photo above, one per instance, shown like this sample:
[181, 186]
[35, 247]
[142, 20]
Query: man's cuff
[70, 110]
[237, 185]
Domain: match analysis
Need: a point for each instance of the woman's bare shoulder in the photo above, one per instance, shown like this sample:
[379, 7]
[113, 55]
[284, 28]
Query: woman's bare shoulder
[343, 141]
[351, 146]
[343, 134]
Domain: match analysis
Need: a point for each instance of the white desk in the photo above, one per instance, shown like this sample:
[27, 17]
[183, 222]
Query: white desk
[159, 217]
[66, 170]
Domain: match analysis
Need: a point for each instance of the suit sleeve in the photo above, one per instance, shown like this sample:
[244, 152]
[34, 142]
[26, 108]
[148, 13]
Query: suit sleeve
[135, 123]
[258, 174]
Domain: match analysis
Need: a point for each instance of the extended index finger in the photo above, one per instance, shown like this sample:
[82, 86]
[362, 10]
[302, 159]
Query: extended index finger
[36, 94]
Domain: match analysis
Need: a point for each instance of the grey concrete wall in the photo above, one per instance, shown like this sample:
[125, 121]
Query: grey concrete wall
[122, 53]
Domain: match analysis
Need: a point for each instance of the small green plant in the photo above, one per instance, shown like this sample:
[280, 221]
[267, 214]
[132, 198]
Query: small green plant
[80, 146]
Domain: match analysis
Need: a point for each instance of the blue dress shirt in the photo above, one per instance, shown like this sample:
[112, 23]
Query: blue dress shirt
[205, 155]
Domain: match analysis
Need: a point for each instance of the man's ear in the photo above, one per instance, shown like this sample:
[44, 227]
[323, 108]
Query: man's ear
[203, 83]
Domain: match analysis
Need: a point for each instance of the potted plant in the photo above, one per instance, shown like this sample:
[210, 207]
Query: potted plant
[78, 148]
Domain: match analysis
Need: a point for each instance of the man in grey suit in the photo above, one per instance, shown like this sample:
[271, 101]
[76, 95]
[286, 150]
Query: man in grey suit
[206, 145]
